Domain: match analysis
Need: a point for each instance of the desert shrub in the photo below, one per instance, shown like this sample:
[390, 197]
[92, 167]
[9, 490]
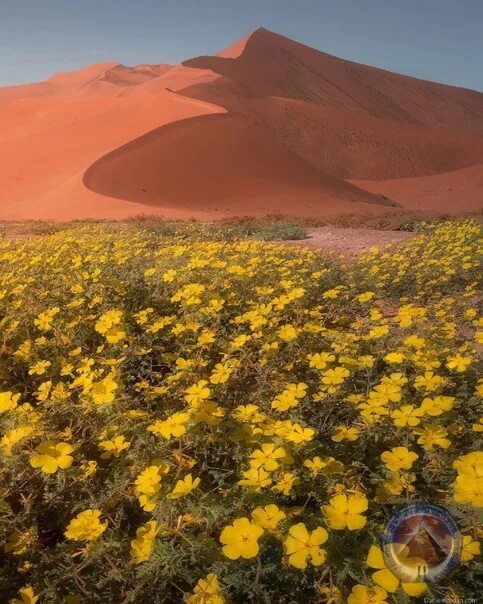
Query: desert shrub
[233, 229]
[162, 397]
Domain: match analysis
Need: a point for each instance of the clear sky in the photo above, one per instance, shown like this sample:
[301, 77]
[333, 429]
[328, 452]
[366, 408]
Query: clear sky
[439, 40]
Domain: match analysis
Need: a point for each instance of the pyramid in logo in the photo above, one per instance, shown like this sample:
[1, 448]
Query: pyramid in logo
[425, 544]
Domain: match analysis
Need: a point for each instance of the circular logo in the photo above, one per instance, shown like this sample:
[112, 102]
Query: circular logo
[421, 543]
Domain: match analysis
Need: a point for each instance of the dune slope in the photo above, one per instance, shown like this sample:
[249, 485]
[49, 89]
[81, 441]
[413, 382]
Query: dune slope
[272, 65]
[218, 163]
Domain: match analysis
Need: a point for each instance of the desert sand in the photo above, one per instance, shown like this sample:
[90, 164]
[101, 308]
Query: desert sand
[267, 125]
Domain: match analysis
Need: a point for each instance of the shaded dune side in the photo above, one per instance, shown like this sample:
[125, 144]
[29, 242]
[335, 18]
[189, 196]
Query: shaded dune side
[213, 159]
[272, 65]
[349, 145]
[345, 119]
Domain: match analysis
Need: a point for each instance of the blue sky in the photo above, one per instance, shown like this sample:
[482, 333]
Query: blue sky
[440, 40]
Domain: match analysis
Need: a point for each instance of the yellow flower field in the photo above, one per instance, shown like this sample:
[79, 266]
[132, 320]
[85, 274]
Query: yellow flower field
[206, 421]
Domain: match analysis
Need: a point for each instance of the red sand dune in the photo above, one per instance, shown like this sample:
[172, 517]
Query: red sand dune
[272, 65]
[266, 125]
[451, 192]
[209, 162]
[101, 79]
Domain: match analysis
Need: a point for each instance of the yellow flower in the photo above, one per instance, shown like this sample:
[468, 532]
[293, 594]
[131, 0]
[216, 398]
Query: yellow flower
[12, 437]
[470, 464]
[478, 427]
[18, 542]
[27, 596]
[394, 358]
[366, 296]
[429, 381]
[255, 479]
[327, 466]
[207, 591]
[184, 487]
[289, 397]
[320, 360]
[8, 401]
[108, 326]
[386, 392]
[207, 337]
[268, 517]
[295, 433]
[103, 392]
[335, 376]
[220, 374]
[399, 458]
[169, 276]
[267, 457]
[431, 436]
[470, 548]
[385, 578]
[240, 539]
[331, 594]
[142, 546]
[438, 405]
[52, 455]
[469, 482]
[414, 342]
[196, 394]
[346, 511]
[114, 447]
[458, 363]
[86, 526]
[173, 426]
[407, 415]
[302, 546]
[89, 468]
[148, 485]
[248, 413]
[345, 433]
[285, 484]
[39, 368]
[361, 594]
[287, 333]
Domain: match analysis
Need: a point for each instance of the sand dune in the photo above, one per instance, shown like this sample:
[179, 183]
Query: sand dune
[351, 145]
[272, 65]
[213, 163]
[70, 135]
[450, 192]
[266, 125]
[101, 79]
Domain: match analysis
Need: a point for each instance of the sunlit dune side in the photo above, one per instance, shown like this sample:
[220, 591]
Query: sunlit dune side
[451, 192]
[100, 79]
[218, 163]
[235, 50]
[174, 79]
[43, 169]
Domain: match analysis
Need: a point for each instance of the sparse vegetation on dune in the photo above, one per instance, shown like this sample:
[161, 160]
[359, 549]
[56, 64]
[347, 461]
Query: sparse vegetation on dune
[190, 416]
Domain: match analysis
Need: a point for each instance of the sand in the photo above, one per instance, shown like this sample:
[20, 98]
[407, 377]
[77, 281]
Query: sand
[267, 125]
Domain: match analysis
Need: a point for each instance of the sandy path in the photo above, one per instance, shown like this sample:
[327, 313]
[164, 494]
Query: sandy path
[353, 241]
